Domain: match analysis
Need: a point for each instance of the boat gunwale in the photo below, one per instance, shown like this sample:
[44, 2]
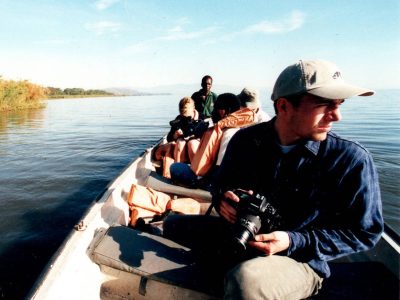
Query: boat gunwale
[392, 234]
[101, 198]
[389, 236]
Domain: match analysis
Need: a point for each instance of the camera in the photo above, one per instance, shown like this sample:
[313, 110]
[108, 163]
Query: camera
[189, 126]
[253, 211]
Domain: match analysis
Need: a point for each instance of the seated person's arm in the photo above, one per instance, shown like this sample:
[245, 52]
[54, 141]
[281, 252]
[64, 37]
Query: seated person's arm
[357, 228]
[174, 133]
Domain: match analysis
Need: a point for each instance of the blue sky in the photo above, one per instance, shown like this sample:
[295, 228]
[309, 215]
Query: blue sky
[122, 43]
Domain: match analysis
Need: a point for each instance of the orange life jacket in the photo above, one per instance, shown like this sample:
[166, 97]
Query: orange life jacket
[207, 152]
[145, 202]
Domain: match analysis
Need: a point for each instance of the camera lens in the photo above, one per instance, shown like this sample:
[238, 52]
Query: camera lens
[245, 229]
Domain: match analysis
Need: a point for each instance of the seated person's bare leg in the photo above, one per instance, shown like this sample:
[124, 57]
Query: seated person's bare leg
[192, 146]
[180, 151]
[164, 150]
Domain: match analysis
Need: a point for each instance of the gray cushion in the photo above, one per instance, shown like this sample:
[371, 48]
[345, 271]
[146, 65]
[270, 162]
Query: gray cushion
[154, 257]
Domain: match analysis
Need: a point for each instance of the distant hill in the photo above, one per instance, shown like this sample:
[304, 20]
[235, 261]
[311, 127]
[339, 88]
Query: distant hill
[132, 92]
[173, 89]
[182, 90]
[189, 89]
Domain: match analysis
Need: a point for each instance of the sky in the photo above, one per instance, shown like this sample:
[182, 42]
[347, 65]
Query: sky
[148, 43]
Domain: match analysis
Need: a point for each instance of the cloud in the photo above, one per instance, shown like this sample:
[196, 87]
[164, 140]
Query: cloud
[103, 27]
[141, 47]
[53, 42]
[104, 4]
[294, 21]
[178, 33]
[289, 23]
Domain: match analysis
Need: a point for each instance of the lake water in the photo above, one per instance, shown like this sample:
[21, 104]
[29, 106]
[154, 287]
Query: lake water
[55, 161]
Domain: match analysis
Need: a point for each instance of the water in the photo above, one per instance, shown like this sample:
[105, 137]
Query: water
[55, 161]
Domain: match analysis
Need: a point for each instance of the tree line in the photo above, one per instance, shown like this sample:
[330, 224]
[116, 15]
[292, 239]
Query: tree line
[21, 94]
[57, 92]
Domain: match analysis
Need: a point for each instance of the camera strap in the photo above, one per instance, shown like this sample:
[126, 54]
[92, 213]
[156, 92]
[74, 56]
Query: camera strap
[209, 209]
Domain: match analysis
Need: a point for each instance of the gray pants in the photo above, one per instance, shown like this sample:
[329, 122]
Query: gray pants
[271, 277]
[250, 276]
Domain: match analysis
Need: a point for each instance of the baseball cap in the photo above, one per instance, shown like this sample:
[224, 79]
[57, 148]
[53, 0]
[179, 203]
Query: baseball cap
[317, 77]
[249, 98]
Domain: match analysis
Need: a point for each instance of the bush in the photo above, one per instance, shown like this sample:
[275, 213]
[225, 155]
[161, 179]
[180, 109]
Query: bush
[20, 94]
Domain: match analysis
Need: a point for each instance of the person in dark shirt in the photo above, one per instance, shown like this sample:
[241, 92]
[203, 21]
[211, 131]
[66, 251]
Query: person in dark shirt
[180, 146]
[204, 99]
[321, 190]
[181, 173]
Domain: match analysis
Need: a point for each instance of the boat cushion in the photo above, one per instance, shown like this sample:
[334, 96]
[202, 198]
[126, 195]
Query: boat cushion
[165, 185]
[153, 257]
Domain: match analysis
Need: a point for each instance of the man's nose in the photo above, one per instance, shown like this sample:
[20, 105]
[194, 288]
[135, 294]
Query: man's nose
[335, 115]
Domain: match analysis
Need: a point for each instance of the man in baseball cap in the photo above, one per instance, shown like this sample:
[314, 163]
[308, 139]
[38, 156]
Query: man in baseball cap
[324, 189]
[320, 87]
[317, 77]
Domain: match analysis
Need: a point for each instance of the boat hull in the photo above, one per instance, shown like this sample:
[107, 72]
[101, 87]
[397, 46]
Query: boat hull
[75, 271]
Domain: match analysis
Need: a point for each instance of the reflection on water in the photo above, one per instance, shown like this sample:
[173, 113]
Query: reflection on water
[31, 118]
[55, 161]
[16, 124]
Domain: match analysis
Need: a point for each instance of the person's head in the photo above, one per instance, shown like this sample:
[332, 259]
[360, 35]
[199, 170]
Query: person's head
[186, 107]
[307, 96]
[225, 104]
[249, 98]
[206, 83]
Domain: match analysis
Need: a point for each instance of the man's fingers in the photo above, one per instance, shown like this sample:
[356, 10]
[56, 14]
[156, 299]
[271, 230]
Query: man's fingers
[262, 246]
[231, 195]
[228, 212]
[264, 237]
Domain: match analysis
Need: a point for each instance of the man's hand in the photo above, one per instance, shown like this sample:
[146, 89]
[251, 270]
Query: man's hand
[271, 243]
[226, 210]
[178, 134]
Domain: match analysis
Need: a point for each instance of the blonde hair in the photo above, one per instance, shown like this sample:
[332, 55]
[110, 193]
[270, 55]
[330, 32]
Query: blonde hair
[186, 105]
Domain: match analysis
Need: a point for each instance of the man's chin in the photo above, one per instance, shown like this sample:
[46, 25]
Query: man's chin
[319, 137]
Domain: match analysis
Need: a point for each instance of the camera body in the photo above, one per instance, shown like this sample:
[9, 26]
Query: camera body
[253, 211]
[189, 126]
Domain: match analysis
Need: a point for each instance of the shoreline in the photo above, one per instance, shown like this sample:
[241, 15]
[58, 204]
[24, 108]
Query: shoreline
[80, 96]
[100, 96]
[38, 105]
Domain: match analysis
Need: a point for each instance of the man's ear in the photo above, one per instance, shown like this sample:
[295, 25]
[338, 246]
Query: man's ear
[282, 104]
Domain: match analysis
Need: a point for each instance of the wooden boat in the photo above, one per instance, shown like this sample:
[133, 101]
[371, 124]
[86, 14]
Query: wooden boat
[103, 258]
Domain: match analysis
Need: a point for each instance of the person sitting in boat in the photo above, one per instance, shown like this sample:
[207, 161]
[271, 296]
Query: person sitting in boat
[226, 114]
[290, 193]
[184, 135]
[249, 98]
[204, 98]
[225, 105]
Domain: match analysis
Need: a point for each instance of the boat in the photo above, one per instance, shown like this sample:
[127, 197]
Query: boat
[104, 258]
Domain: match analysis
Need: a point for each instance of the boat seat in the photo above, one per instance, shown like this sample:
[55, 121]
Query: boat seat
[162, 184]
[165, 185]
[152, 258]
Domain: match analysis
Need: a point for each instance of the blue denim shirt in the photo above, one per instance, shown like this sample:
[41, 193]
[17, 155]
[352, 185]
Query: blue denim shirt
[327, 192]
